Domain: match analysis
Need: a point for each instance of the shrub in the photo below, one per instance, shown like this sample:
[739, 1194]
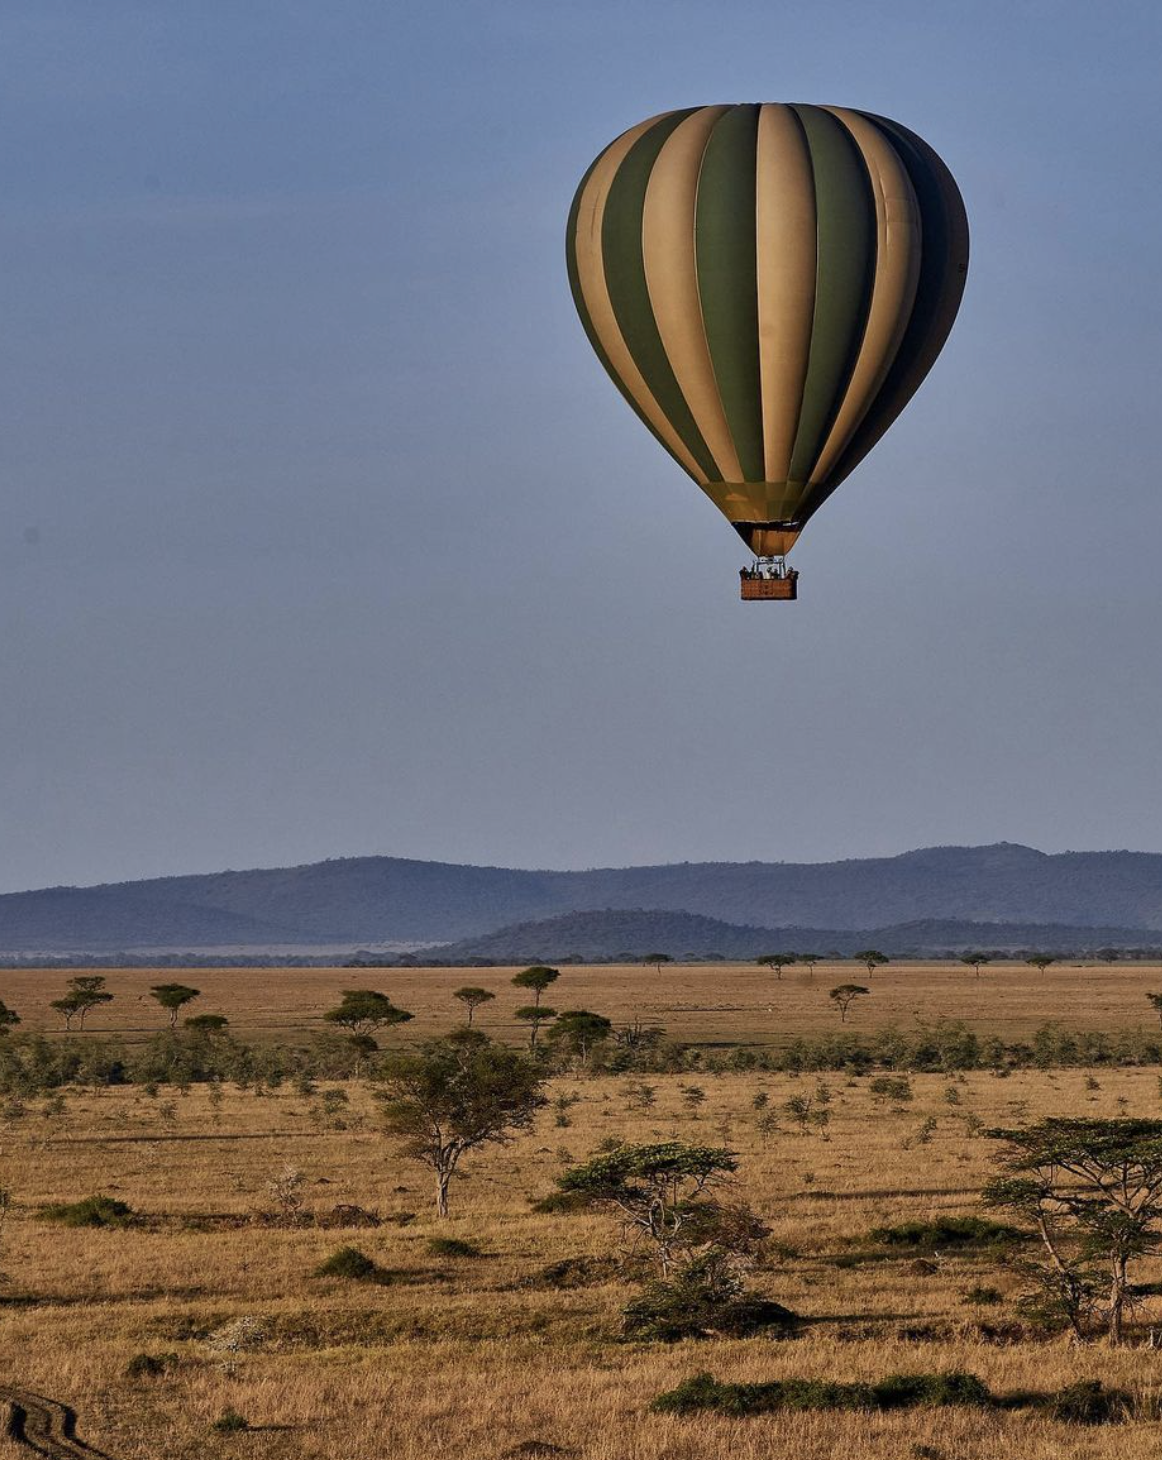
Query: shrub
[230, 1422]
[562, 1204]
[1089, 1402]
[947, 1232]
[150, 1366]
[983, 1297]
[349, 1262]
[704, 1297]
[92, 1211]
[452, 1247]
[898, 1391]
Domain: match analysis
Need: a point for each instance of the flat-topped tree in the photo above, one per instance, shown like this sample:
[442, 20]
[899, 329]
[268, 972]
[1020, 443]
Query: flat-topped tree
[85, 993]
[538, 978]
[871, 958]
[472, 996]
[534, 1015]
[8, 1017]
[976, 961]
[364, 1012]
[206, 1023]
[1040, 961]
[455, 1095]
[173, 997]
[777, 961]
[844, 995]
[657, 959]
[810, 959]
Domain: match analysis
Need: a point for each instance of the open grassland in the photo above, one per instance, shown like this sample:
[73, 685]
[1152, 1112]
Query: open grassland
[719, 1003]
[473, 1356]
[469, 1356]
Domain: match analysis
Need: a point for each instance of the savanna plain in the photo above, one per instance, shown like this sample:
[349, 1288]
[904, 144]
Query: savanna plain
[498, 1330]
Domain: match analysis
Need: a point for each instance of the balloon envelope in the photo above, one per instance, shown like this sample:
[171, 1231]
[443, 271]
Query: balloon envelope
[767, 285]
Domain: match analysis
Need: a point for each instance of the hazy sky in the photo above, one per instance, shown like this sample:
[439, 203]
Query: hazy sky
[323, 533]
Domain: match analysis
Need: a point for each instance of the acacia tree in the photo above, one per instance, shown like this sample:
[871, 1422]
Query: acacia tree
[1092, 1190]
[472, 996]
[577, 1032]
[363, 1012]
[976, 961]
[1040, 961]
[206, 1023]
[85, 992]
[871, 958]
[660, 1190]
[538, 978]
[844, 995]
[657, 959]
[454, 1095]
[173, 997]
[810, 959]
[1156, 1001]
[8, 1017]
[777, 961]
[534, 1015]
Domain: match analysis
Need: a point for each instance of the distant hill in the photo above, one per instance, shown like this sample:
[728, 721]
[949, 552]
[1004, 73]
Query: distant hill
[624, 936]
[382, 900]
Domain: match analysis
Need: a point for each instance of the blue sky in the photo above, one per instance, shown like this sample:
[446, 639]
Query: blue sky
[323, 533]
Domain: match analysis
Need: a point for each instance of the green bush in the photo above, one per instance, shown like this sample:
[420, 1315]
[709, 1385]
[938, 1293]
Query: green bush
[349, 1262]
[150, 1366]
[452, 1247]
[898, 1391]
[230, 1422]
[947, 1232]
[1089, 1402]
[92, 1211]
[705, 1297]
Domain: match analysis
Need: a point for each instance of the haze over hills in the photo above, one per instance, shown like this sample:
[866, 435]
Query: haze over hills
[369, 901]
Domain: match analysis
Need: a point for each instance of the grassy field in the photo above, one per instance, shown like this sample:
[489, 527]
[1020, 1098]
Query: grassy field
[477, 1356]
[731, 1003]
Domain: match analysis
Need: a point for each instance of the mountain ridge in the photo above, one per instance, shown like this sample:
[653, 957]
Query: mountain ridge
[353, 901]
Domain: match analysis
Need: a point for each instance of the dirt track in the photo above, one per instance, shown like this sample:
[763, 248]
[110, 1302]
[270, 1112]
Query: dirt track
[44, 1426]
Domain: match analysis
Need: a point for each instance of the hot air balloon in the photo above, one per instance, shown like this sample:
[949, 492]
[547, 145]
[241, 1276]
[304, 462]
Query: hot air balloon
[767, 285]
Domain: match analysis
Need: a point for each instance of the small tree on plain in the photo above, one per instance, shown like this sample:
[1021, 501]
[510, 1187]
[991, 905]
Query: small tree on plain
[85, 993]
[577, 1032]
[9, 1018]
[173, 997]
[534, 1015]
[844, 995]
[777, 961]
[810, 959]
[976, 961]
[538, 978]
[1092, 1190]
[455, 1095]
[1040, 961]
[1156, 1002]
[472, 996]
[657, 959]
[365, 1012]
[871, 958]
[206, 1023]
[662, 1192]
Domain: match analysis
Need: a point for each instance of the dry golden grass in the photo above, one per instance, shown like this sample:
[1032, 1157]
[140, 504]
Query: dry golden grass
[467, 1357]
[470, 1357]
[705, 1003]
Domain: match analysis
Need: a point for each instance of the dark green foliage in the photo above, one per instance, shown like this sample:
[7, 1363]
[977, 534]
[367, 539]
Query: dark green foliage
[984, 1297]
[453, 1247]
[577, 1031]
[947, 1232]
[1089, 1402]
[349, 1262]
[173, 997]
[92, 1211]
[704, 1298]
[8, 1017]
[898, 1391]
[230, 1422]
[364, 1010]
[150, 1366]
[563, 1204]
[206, 1023]
[538, 978]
